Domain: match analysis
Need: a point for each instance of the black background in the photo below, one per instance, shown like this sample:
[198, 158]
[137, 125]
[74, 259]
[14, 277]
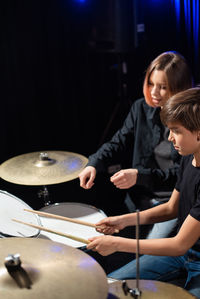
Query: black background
[62, 87]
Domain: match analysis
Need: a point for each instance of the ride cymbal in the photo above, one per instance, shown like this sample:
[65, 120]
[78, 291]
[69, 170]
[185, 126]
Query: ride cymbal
[43, 168]
[52, 270]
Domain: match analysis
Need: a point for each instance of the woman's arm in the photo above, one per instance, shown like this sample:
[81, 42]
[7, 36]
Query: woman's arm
[111, 151]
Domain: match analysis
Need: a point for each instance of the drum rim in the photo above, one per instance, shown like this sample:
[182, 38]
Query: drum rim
[4, 235]
[74, 203]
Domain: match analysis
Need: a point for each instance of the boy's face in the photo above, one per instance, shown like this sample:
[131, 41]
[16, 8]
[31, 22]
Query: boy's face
[184, 141]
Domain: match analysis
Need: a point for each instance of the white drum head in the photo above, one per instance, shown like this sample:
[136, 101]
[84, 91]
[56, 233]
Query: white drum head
[78, 211]
[13, 208]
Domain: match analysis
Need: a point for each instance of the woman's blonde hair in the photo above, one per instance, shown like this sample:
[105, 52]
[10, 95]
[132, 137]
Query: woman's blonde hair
[177, 71]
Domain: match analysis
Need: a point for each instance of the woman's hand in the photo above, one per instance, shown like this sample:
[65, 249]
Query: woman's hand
[125, 178]
[87, 177]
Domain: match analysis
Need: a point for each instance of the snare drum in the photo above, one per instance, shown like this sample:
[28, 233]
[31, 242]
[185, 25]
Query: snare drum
[12, 207]
[73, 210]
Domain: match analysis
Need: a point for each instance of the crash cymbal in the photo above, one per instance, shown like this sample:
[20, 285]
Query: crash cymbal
[50, 270]
[43, 168]
[150, 289]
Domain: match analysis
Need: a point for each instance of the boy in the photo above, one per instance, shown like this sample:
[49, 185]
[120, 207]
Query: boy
[164, 259]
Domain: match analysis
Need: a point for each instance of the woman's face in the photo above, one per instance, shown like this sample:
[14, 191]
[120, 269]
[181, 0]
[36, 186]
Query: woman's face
[158, 88]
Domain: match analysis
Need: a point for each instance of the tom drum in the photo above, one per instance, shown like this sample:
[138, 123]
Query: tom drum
[73, 210]
[13, 208]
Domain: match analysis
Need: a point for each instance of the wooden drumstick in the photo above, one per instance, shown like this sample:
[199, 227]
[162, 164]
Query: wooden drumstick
[54, 232]
[64, 218]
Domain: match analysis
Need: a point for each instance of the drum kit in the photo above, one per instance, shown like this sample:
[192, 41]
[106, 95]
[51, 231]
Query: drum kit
[37, 260]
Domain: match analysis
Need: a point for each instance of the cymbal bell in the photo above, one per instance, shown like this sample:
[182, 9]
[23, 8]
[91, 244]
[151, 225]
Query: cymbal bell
[149, 289]
[55, 271]
[43, 168]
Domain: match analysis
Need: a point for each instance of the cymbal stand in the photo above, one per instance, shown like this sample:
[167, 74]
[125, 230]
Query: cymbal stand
[135, 293]
[45, 194]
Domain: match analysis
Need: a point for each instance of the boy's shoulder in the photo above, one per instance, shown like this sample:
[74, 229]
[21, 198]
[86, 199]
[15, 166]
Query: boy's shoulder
[185, 160]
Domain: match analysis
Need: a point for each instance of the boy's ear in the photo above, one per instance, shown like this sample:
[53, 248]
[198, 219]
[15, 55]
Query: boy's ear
[198, 136]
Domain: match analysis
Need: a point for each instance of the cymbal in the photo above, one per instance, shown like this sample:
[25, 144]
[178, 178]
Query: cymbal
[43, 168]
[55, 271]
[149, 289]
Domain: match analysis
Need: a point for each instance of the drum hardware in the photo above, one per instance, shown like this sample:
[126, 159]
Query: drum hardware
[55, 271]
[3, 235]
[44, 193]
[13, 260]
[150, 289]
[16, 271]
[135, 293]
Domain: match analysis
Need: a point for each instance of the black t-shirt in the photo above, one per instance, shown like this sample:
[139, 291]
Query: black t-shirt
[188, 184]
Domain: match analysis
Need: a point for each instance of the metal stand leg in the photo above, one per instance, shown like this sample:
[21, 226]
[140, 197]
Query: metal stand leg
[45, 194]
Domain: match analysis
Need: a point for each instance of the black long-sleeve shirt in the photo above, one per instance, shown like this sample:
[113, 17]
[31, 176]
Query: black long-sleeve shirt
[141, 132]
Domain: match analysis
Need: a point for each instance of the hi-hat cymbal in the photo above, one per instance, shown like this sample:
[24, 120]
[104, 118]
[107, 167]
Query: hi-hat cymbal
[149, 289]
[43, 168]
[55, 271]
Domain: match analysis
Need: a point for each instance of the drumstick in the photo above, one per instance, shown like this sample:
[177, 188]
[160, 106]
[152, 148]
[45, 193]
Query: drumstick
[54, 231]
[65, 218]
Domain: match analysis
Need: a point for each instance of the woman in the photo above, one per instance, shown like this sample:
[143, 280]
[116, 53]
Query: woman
[150, 166]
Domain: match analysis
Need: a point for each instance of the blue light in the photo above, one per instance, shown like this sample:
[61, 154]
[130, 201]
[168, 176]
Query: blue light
[196, 26]
[188, 20]
[81, 1]
[177, 7]
[190, 14]
[178, 10]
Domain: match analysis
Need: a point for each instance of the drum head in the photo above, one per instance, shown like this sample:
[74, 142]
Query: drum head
[13, 208]
[76, 211]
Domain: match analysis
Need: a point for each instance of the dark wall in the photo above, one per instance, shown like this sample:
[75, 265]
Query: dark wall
[63, 89]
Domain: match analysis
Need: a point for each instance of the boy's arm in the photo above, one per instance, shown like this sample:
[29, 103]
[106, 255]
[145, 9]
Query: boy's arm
[188, 234]
[156, 214]
[175, 246]
[162, 212]
[159, 213]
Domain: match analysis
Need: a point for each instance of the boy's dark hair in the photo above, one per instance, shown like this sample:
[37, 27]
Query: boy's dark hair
[184, 108]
